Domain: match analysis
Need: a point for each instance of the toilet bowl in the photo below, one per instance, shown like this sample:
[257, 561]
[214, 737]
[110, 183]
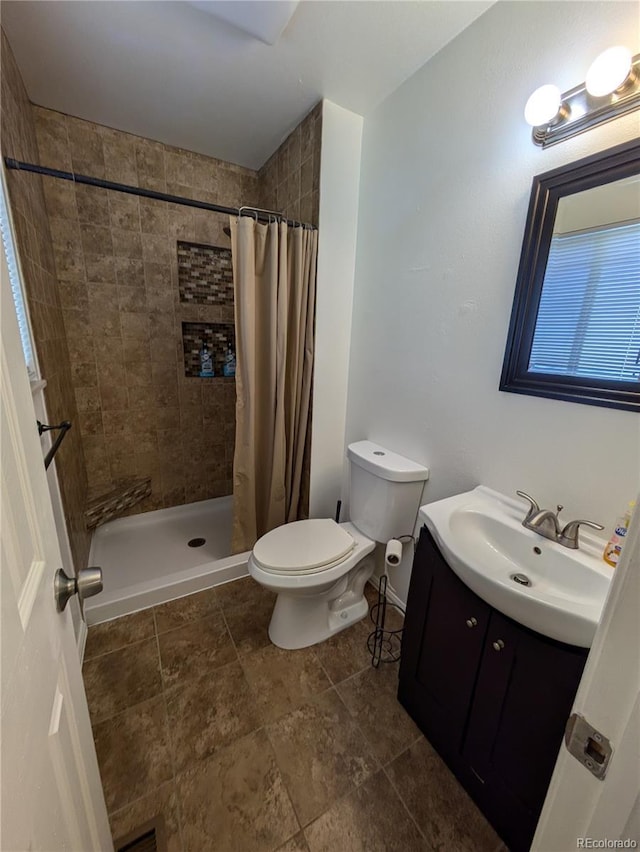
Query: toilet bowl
[318, 568]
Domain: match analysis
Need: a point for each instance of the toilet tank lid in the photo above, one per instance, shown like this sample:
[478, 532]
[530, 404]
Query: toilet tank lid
[385, 463]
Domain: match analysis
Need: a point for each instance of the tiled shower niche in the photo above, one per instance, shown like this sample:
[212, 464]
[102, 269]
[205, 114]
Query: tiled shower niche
[220, 337]
[205, 274]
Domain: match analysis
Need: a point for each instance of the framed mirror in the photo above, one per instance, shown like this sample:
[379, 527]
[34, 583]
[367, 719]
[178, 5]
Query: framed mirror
[575, 325]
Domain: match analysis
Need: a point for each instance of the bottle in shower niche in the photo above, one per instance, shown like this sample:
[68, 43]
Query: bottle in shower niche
[229, 366]
[206, 362]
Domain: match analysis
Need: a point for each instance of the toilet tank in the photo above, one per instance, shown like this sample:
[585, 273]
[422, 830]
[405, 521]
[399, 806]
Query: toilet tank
[385, 491]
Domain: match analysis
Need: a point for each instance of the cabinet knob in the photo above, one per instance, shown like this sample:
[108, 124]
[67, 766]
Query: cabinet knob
[471, 622]
[498, 645]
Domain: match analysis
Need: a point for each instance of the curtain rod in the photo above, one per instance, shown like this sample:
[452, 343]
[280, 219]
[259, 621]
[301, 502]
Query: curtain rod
[255, 212]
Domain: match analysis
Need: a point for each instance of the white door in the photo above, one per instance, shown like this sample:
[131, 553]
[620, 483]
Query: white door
[580, 811]
[51, 797]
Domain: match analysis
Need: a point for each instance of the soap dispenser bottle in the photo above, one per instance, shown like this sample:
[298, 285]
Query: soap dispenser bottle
[614, 546]
[229, 366]
[206, 362]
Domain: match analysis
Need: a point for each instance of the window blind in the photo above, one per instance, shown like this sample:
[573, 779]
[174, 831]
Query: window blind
[16, 284]
[588, 321]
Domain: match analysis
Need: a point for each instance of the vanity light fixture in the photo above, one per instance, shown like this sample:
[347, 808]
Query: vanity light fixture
[544, 106]
[611, 89]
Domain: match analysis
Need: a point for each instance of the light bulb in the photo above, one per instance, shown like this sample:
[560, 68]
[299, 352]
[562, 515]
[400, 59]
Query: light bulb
[608, 71]
[543, 105]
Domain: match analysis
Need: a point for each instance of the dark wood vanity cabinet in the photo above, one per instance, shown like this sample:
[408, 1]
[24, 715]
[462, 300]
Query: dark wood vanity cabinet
[492, 696]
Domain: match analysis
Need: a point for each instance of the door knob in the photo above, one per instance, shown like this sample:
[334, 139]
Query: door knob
[85, 585]
[498, 645]
[471, 622]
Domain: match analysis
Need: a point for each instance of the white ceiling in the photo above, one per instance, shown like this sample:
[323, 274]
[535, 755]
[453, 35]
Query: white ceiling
[263, 19]
[173, 72]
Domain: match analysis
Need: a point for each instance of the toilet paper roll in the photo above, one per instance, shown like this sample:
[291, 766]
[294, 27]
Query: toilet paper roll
[393, 553]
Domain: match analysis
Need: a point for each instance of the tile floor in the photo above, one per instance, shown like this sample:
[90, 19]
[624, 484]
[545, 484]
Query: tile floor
[243, 747]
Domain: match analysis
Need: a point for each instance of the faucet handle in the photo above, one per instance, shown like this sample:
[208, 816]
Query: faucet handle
[569, 535]
[533, 508]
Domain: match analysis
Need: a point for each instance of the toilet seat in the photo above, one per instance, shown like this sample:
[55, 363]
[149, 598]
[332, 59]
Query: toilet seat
[303, 547]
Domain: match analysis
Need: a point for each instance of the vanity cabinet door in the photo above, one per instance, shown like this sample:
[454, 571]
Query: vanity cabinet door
[445, 627]
[525, 689]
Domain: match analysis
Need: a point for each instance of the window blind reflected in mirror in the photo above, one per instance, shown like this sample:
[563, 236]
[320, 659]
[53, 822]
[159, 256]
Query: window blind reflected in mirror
[588, 321]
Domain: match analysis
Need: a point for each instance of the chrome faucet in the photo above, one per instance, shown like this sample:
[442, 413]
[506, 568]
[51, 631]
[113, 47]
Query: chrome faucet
[547, 524]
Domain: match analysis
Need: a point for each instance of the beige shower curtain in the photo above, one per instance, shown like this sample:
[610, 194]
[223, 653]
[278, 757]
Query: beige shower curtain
[274, 273]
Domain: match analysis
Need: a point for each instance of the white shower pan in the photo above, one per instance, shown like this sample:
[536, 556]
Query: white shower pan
[146, 559]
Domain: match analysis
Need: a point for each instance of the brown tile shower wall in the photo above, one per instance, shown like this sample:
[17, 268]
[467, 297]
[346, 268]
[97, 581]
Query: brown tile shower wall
[37, 261]
[290, 179]
[117, 266]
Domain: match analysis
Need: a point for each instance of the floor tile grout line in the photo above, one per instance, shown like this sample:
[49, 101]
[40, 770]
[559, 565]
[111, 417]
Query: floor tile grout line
[322, 666]
[135, 801]
[402, 801]
[349, 677]
[218, 752]
[169, 736]
[186, 623]
[346, 795]
[402, 750]
[300, 830]
[158, 696]
[354, 675]
[229, 633]
[306, 700]
[115, 650]
[113, 716]
[170, 780]
[365, 738]
[378, 764]
[284, 780]
[382, 764]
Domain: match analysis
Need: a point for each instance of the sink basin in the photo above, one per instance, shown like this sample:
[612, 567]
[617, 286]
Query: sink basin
[480, 534]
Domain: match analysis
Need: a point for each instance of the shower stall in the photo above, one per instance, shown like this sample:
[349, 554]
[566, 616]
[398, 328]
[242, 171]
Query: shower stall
[143, 264]
[156, 556]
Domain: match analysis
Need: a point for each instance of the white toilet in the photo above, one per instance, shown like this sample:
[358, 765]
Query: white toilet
[319, 568]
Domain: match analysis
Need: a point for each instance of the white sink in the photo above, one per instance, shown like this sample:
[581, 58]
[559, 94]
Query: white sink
[480, 534]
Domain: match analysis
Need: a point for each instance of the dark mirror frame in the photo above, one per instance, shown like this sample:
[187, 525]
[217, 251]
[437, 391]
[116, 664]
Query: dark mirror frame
[547, 190]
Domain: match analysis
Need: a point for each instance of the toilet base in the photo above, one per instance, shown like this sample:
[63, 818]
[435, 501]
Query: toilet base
[300, 621]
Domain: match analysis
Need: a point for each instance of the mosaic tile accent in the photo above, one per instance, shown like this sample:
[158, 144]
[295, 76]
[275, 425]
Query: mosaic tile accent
[205, 274]
[220, 337]
[116, 502]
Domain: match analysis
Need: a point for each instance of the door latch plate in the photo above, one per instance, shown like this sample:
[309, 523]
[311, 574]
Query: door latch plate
[591, 748]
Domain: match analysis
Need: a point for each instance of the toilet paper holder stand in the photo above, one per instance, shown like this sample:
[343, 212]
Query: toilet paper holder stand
[383, 644]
